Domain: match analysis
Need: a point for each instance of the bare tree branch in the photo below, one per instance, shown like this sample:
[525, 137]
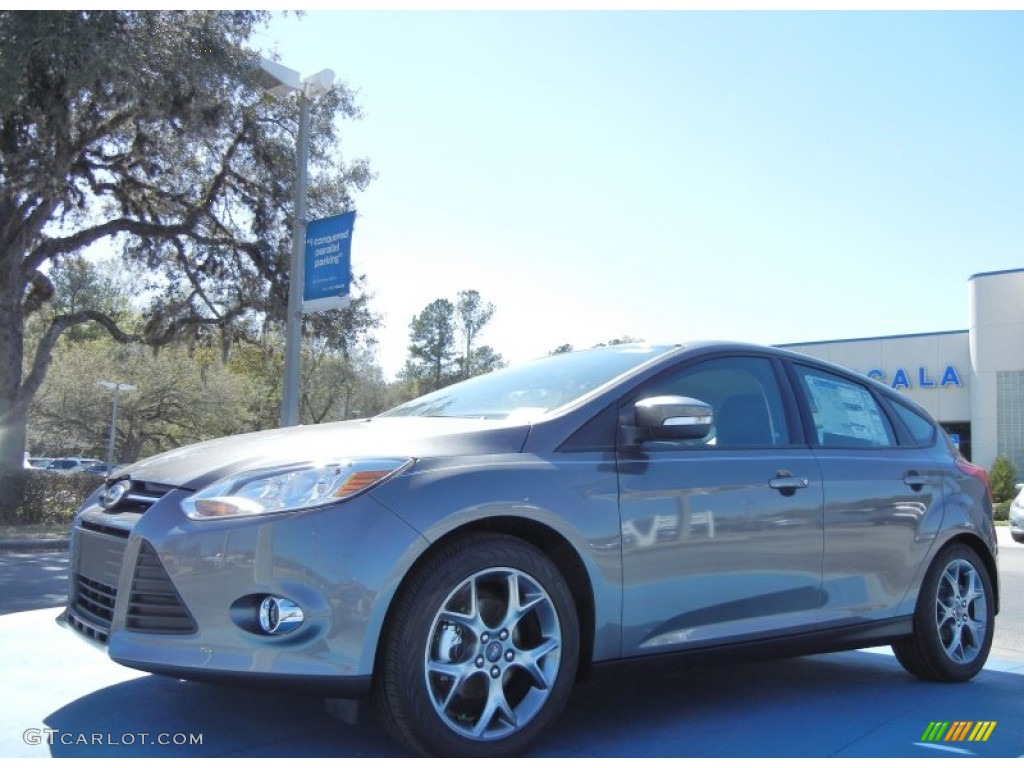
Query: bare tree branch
[44, 349]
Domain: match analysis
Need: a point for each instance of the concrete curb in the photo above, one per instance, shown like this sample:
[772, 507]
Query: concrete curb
[34, 545]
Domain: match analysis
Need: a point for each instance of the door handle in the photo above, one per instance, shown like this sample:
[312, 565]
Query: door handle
[785, 483]
[915, 480]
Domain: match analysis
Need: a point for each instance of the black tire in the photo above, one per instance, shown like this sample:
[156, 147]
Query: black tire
[1018, 537]
[486, 628]
[953, 620]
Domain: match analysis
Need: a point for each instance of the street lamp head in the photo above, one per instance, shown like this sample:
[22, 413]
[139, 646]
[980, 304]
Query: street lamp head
[277, 79]
[117, 386]
[319, 83]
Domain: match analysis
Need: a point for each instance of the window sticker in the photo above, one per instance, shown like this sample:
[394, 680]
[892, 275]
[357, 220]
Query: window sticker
[845, 410]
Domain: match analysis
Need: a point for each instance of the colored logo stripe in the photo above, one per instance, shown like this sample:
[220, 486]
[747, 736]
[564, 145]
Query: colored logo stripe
[982, 731]
[959, 730]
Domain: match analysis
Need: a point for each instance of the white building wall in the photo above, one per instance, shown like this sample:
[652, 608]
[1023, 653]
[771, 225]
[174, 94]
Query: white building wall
[974, 376]
[996, 306]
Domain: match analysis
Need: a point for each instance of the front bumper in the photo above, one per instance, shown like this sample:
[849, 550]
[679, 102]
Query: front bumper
[177, 597]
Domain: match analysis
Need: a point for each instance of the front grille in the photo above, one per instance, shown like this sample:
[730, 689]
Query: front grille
[94, 583]
[92, 609]
[96, 600]
[154, 604]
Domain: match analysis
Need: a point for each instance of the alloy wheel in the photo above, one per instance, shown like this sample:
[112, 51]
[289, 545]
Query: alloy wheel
[961, 611]
[492, 654]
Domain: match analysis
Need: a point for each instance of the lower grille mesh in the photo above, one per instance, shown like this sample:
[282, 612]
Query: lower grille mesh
[96, 600]
[154, 604]
[93, 608]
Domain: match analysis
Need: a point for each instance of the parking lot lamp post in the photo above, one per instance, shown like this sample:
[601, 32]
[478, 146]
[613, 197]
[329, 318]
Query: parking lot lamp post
[118, 389]
[280, 80]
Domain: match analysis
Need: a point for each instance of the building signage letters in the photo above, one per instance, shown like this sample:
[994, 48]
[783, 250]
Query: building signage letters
[902, 380]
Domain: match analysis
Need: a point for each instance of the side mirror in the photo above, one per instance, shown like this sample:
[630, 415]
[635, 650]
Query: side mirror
[671, 417]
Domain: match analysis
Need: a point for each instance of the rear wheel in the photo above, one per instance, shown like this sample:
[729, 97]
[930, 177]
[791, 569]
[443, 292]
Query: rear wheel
[953, 621]
[480, 652]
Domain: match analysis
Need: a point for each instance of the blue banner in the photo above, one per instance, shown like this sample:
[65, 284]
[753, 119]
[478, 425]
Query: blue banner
[328, 261]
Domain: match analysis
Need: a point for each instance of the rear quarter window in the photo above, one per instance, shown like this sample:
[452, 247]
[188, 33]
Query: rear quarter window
[922, 430]
[845, 413]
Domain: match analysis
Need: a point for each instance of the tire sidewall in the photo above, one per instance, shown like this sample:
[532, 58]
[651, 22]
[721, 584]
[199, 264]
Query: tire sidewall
[926, 620]
[418, 611]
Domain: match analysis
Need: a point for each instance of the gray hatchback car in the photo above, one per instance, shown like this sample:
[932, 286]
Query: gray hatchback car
[461, 558]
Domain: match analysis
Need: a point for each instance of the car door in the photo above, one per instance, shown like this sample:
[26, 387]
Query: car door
[883, 499]
[722, 536]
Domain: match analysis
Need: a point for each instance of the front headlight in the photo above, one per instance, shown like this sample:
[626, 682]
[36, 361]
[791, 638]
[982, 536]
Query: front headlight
[285, 489]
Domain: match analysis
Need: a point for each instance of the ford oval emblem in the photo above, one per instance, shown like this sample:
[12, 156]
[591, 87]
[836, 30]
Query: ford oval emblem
[111, 495]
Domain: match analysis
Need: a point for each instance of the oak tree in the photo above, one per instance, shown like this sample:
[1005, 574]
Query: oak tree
[146, 133]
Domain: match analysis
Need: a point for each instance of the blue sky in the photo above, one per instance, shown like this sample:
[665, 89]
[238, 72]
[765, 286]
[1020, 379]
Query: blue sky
[769, 177]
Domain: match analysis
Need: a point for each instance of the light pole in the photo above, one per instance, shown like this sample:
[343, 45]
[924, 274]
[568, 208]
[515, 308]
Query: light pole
[280, 80]
[118, 389]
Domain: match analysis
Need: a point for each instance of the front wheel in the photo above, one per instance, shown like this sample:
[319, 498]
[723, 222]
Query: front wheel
[480, 651]
[953, 621]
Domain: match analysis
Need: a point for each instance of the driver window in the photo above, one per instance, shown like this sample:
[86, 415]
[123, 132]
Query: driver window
[744, 394]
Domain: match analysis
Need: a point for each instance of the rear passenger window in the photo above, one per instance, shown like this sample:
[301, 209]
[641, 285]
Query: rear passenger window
[845, 414]
[920, 428]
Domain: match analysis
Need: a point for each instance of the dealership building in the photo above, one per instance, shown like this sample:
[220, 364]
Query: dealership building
[971, 381]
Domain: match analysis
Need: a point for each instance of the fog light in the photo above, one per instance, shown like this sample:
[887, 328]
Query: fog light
[279, 615]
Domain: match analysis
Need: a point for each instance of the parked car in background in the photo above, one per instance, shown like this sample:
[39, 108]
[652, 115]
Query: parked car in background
[460, 558]
[72, 464]
[37, 462]
[92, 466]
[1017, 516]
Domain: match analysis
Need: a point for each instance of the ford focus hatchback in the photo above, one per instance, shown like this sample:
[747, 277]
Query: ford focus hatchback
[460, 558]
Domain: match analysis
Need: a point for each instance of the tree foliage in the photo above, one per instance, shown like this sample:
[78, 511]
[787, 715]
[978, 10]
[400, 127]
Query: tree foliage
[472, 314]
[619, 340]
[484, 359]
[187, 392]
[1002, 479]
[179, 397]
[437, 332]
[195, 388]
[339, 387]
[146, 131]
[432, 346]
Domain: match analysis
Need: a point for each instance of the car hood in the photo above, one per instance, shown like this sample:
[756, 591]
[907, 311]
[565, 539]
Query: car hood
[197, 465]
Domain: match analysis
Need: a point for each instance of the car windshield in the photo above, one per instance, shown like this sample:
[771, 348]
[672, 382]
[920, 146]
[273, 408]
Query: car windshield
[526, 391]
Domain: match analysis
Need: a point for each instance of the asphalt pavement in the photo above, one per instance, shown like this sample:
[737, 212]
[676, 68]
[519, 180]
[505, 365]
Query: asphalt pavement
[30, 580]
[64, 698]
